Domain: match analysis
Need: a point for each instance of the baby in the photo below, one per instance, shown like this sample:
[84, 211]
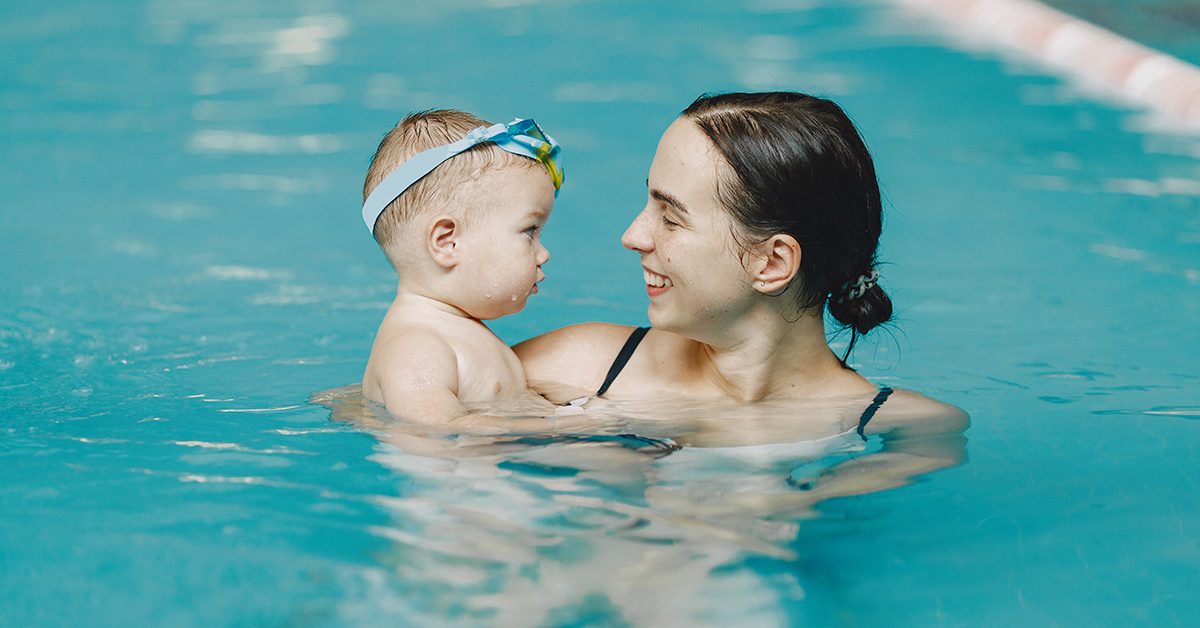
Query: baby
[458, 207]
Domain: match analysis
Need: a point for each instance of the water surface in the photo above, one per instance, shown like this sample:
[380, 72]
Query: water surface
[183, 266]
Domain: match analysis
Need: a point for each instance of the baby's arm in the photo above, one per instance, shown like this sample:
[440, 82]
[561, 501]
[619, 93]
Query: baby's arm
[419, 382]
[418, 378]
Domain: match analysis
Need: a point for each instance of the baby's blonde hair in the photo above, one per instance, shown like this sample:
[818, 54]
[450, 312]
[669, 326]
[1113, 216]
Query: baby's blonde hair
[418, 132]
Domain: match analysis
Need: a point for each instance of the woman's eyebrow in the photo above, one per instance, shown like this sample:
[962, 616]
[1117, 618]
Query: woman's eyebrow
[663, 197]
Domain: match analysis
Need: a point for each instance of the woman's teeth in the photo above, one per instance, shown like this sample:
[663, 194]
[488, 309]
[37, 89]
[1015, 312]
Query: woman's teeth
[658, 281]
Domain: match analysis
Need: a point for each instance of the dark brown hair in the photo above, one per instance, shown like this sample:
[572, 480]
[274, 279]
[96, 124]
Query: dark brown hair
[798, 166]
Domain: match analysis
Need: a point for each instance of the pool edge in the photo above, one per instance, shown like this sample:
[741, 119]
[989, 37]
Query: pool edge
[1096, 57]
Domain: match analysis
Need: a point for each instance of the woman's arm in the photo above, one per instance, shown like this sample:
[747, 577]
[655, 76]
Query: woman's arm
[571, 362]
[920, 435]
[901, 461]
[913, 445]
[911, 414]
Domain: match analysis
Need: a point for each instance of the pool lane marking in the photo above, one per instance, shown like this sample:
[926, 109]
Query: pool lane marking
[1094, 55]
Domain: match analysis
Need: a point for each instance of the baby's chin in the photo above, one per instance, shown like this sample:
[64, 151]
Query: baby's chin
[497, 308]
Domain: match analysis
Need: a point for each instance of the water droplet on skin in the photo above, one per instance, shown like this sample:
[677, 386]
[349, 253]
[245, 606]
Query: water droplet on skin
[514, 297]
[487, 295]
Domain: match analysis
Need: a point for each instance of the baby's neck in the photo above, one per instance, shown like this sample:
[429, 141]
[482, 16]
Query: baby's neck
[411, 302]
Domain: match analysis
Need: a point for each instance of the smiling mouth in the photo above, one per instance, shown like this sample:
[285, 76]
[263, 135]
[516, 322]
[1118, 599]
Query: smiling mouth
[656, 280]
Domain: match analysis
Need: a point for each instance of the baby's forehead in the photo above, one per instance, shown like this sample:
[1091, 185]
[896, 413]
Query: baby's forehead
[516, 172]
[481, 163]
[527, 189]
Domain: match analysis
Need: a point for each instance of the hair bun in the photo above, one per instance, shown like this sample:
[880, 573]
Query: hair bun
[862, 305]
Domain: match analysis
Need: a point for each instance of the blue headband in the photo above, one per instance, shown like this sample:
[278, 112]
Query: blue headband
[520, 137]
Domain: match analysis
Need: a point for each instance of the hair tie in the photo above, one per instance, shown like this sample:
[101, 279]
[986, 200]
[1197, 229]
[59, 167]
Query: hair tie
[856, 288]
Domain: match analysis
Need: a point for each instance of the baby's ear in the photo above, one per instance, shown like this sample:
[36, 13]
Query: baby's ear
[443, 241]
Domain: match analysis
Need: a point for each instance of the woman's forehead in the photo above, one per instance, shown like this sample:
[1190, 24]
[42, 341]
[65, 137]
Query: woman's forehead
[684, 141]
[686, 161]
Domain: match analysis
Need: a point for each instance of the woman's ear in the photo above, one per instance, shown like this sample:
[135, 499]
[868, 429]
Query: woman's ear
[442, 242]
[778, 261]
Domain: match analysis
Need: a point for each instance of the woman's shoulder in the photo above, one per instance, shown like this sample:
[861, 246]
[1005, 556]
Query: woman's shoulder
[573, 340]
[577, 355]
[915, 413]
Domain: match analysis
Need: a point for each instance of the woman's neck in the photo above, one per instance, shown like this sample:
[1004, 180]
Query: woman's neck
[769, 356]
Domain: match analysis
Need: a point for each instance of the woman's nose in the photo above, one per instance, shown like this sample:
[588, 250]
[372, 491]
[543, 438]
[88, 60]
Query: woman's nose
[637, 236]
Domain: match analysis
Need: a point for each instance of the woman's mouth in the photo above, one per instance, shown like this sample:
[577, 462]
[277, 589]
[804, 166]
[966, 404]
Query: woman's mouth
[656, 284]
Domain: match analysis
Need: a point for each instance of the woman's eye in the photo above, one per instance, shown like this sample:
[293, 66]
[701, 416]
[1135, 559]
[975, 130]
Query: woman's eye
[671, 224]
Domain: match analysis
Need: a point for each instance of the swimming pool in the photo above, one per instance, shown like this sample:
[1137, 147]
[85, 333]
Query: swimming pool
[183, 266]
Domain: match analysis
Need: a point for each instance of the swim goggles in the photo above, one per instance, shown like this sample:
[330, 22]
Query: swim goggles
[520, 137]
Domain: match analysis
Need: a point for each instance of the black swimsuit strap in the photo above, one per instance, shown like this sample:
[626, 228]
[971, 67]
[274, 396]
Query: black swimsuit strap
[869, 413]
[622, 358]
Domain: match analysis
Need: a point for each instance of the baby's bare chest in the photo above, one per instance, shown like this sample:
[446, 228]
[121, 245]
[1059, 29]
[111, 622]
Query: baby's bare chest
[487, 369]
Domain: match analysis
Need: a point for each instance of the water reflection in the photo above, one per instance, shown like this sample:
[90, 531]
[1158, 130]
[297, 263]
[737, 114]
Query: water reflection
[647, 517]
[229, 141]
[279, 184]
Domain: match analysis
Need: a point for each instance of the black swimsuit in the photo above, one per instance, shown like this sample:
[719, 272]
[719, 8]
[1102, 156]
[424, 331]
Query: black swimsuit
[622, 358]
[636, 338]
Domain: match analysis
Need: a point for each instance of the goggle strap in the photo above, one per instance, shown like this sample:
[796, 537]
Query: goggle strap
[416, 167]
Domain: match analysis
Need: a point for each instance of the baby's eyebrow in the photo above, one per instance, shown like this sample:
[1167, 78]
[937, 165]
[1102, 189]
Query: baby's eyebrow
[664, 197]
[537, 214]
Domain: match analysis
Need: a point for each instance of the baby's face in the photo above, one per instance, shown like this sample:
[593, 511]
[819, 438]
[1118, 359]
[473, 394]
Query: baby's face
[502, 252]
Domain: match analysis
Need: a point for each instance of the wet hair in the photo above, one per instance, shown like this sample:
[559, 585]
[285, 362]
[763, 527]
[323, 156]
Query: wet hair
[797, 165]
[418, 132]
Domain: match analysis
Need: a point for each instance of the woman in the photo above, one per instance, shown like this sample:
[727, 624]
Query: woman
[763, 211]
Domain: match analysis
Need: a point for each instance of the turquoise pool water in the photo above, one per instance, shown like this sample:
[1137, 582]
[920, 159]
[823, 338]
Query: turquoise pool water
[182, 265]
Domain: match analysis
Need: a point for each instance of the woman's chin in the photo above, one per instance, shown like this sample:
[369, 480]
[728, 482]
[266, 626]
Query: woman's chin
[660, 319]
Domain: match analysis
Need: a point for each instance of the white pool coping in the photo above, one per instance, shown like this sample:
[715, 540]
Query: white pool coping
[1095, 56]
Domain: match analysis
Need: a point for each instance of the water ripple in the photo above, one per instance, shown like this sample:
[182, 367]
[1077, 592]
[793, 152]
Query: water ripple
[231, 141]
[238, 448]
[1183, 412]
[260, 410]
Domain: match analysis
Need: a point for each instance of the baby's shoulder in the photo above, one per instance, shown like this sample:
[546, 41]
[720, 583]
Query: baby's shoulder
[410, 345]
[406, 330]
[406, 355]
[397, 331]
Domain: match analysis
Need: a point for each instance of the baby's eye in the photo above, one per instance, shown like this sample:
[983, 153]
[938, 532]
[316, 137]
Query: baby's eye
[531, 231]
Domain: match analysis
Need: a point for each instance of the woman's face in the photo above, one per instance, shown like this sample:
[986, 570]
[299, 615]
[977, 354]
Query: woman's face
[694, 273]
